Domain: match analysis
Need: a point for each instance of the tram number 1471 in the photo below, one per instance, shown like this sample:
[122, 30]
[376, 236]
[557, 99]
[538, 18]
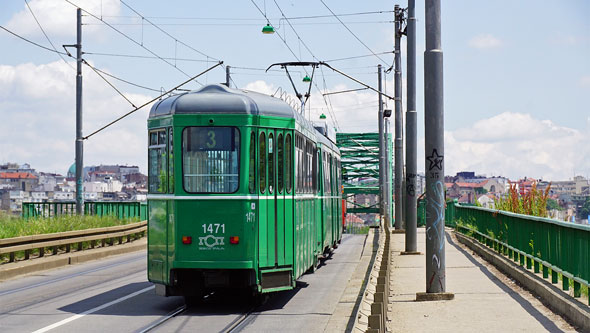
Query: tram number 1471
[213, 228]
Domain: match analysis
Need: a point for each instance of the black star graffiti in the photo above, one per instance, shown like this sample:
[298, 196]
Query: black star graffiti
[435, 160]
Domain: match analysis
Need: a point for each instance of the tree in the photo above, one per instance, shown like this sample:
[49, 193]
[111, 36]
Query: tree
[585, 210]
[553, 204]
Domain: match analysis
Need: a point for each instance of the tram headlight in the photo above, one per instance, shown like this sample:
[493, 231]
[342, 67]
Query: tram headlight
[187, 240]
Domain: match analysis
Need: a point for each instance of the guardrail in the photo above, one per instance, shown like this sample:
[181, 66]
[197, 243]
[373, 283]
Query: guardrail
[121, 209]
[539, 243]
[449, 213]
[372, 312]
[41, 242]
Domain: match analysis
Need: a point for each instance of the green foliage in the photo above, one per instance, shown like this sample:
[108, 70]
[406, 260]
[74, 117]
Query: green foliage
[480, 190]
[585, 210]
[11, 226]
[552, 204]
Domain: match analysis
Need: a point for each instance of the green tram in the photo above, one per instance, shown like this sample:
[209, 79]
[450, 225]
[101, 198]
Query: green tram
[243, 192]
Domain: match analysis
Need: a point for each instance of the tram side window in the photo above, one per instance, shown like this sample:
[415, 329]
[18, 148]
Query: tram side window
[157, 162]
[324, 177]
[305, 167]
[280, 163]
[252, 164]
[315, 170]
[210, 159]
[271, 164]
[330, 173]
[170, 160]
[262, 164]
[288, 164]
[309, 167]
[299, 164]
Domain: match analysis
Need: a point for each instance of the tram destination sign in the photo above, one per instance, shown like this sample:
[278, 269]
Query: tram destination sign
[211, 138]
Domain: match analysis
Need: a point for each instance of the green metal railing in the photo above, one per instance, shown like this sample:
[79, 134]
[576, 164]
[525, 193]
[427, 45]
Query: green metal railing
[120, 209]
[539, 243]
[449, 213]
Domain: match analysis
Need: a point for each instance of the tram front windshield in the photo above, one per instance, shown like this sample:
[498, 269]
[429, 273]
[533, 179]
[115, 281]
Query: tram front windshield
[210, 159]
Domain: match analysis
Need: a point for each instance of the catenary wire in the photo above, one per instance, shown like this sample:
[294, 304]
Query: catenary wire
[31, 42]
[68, 55]
[166, 33]
[47, 37]
[131, 39]
[355, 36]
[140, 56]
[251, 19]
[152, 100]
[335, 121]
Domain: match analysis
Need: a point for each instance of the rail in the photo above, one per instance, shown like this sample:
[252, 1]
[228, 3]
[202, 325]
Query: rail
[41, 242]
[540, 244]
[449, 213]
[120, 209]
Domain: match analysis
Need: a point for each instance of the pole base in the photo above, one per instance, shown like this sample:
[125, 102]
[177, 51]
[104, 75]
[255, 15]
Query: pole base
[427, 297]
[398, 231]
[410, 253]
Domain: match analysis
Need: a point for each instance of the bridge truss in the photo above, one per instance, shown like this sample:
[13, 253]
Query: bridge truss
[360, 171]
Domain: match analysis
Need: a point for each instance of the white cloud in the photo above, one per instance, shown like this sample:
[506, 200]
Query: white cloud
[38, 119]
[485, 41]
[585, 81]
[58, 17]
[517, 145]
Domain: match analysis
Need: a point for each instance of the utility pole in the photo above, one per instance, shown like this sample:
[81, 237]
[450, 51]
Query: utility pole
[389, 168]
[411, 132]
[382, 160]
[399, 159]
[434, 150]
[227, 76]
[79, 139]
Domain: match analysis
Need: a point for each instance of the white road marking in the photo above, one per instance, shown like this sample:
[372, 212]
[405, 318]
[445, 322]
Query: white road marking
[98, 308]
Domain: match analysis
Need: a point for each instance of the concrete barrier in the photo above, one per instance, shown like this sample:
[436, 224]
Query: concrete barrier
[372, 312]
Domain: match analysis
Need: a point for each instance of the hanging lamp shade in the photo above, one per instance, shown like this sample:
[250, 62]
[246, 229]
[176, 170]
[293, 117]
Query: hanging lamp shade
[268, 29]
[306, 79]
[322, 116]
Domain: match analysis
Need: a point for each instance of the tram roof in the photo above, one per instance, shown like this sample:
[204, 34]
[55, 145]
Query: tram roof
[217, 98]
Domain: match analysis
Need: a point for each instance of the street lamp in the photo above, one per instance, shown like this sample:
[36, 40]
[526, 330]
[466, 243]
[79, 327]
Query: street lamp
[268, 29]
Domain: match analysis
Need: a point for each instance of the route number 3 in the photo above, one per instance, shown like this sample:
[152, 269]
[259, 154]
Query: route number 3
[211, 143]
[213, 228]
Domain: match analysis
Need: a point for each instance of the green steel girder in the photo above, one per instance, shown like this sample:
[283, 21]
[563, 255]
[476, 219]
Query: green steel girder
[360, 167]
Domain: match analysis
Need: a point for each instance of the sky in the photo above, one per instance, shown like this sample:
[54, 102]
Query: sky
[516, 74]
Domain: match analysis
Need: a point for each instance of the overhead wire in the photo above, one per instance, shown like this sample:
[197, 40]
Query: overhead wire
[362, 56]
[245, 24]
[109, 83]
[131, 39]
[166, 33]
[31, 42]
[355, 36]
[150, 101]
[141, 56]
[250, 19]
[334, 119]
[47, 37]
[68, 55]
[123, 80]
[96, 70]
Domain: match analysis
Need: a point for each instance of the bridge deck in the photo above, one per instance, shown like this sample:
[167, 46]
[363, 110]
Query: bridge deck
[485, 300]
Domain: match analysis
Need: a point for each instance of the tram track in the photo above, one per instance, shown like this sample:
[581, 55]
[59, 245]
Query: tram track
[181, 309]
[236, 324]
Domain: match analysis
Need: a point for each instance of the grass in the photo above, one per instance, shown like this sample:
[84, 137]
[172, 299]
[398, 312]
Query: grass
[15, 226]
[11, 226]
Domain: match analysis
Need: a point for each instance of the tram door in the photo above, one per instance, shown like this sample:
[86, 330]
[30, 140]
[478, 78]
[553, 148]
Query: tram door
[271, 228]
